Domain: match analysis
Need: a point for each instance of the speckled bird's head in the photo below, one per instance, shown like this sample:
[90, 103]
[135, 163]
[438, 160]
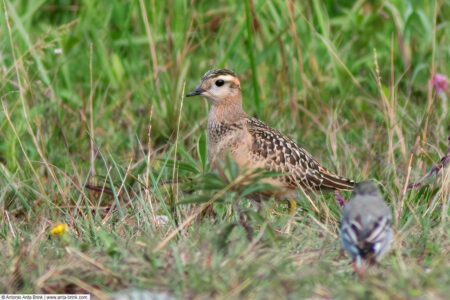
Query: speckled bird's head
[219, 86]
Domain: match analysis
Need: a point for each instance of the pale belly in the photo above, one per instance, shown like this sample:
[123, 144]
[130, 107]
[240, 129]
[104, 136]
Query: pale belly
[238, 147]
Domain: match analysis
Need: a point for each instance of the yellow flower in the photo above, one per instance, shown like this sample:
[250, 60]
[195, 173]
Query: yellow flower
[59, 229]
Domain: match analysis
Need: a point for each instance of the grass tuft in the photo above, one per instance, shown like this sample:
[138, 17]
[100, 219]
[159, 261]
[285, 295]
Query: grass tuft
[98, 139]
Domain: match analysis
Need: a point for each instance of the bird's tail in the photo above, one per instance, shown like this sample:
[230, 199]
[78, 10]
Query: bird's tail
[334, 182]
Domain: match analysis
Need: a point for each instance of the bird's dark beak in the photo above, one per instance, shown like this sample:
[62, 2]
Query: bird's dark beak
[198, 91]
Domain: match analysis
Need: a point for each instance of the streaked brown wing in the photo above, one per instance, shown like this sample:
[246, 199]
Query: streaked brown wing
[279, 153]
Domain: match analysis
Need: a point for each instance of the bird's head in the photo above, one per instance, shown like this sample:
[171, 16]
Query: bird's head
[219, 86]
[366, 188]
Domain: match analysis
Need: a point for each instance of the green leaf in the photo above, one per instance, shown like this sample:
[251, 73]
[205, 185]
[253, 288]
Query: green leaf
[195, 199]
[212, 181]
[180, 166]
[257, 187]
[202, 150]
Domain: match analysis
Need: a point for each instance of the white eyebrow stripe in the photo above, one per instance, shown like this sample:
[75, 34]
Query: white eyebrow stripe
[225, 77]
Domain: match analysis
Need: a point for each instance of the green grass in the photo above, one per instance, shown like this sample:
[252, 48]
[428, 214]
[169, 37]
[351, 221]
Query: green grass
[92, 93]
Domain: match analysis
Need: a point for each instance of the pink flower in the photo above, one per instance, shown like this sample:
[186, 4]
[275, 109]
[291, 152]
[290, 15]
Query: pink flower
[440, 82]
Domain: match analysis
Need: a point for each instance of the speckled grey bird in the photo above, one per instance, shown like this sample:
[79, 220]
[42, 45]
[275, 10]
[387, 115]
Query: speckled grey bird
[253, 144]
[366, 232]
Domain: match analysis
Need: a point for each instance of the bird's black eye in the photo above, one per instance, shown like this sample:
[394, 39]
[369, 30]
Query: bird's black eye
[220, 82]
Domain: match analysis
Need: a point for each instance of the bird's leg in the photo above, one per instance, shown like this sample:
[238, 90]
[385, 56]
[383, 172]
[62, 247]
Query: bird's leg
[360, 268]
[243, 223]
[292, 207]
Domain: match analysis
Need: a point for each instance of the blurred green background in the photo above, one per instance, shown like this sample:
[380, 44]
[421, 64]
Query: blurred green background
[83, 81]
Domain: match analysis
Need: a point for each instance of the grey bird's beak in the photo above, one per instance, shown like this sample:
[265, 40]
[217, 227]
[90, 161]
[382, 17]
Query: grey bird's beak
[198, 91]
